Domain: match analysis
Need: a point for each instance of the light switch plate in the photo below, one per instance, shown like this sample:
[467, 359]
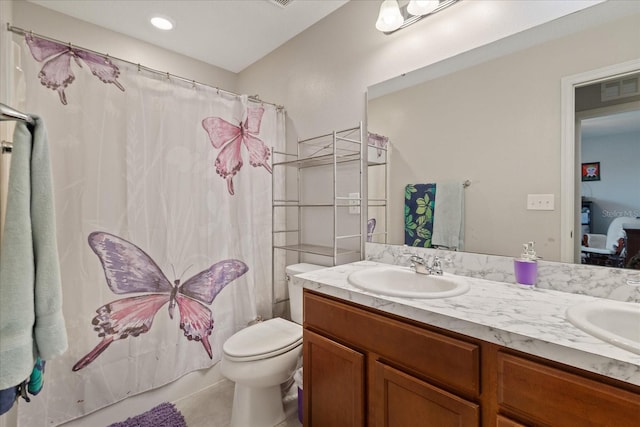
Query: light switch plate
[540, 202]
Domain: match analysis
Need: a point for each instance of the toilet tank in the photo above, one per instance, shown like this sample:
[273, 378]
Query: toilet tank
[295, 291]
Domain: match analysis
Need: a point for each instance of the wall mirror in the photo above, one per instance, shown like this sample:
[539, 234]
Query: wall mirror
[493, 116]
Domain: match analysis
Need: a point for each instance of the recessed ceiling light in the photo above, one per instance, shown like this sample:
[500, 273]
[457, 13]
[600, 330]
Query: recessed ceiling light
[162, 23]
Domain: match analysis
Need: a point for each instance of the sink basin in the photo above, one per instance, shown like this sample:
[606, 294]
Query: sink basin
[404, 282]
[616, 322]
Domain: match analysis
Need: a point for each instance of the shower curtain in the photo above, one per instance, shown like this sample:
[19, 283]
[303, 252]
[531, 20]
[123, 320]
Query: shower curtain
[163, 194]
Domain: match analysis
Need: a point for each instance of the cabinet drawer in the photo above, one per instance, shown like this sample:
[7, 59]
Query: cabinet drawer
[550, 396]
[447, 361]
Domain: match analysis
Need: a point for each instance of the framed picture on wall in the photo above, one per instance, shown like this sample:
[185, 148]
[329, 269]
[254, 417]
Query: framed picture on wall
[591, 171]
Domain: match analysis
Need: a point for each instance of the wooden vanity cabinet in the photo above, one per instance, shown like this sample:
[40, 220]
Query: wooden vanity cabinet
[363, 367]
[405, 375]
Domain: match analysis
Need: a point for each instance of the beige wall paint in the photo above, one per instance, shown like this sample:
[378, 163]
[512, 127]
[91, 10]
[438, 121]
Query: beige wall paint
[497, 124]
[321, 76]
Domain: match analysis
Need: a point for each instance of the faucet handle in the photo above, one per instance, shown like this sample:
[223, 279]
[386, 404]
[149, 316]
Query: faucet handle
[436, 266]
[417, 259]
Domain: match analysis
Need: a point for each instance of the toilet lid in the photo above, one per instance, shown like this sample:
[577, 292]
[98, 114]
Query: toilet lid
[262, 340]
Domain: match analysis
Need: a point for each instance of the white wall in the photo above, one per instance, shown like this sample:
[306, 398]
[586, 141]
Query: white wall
[615, 194]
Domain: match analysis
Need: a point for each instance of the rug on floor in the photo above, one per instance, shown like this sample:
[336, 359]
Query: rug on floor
[163, 415]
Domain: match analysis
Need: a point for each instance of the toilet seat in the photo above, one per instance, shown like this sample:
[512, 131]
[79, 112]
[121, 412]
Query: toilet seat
[263, 340]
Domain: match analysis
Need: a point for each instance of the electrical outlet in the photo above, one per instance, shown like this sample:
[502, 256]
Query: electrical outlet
[354, 203]
[540, 202]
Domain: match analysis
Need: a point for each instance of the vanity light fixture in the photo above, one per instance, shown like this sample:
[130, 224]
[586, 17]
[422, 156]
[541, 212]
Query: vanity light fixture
[422, 7]
[392, 17]
[389, 18]
[162, 23]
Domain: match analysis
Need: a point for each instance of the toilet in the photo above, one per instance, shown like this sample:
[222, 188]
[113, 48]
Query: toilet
[261, 357]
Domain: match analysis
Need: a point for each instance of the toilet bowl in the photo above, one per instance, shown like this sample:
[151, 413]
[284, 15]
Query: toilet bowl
[261, 357]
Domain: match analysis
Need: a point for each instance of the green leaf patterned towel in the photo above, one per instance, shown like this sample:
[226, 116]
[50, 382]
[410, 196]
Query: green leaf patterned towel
[419, 202]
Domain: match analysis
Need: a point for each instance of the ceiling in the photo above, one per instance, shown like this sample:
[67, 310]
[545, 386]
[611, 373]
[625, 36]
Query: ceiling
[230, 34]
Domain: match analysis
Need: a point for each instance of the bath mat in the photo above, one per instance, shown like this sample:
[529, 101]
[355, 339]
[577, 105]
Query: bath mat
[163, 415]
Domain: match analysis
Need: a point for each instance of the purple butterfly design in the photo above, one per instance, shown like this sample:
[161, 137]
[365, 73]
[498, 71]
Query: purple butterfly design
[371, 225]
[231, 138]
[56, 73]
[128, 269]
[378, 141]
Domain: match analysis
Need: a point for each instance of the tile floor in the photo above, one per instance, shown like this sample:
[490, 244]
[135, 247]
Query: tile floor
[212, 407]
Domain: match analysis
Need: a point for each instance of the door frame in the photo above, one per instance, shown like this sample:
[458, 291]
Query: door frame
[570, 156]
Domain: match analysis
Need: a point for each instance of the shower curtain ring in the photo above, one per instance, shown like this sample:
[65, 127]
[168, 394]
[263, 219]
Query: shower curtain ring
[168, 78]
[138, 67]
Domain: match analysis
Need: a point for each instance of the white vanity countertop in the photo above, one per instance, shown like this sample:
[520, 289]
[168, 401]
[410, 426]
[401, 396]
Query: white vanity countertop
[529, 320]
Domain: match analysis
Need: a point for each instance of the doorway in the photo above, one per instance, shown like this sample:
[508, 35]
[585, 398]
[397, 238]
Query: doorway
[571, 156]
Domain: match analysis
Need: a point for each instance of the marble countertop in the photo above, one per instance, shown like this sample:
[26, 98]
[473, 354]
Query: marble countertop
[529, 320]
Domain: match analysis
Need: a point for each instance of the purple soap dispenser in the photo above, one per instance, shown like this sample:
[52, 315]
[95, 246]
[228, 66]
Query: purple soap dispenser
[526, 267]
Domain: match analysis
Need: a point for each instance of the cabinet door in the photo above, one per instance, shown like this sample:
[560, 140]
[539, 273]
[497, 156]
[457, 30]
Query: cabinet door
[333, 383]
[401, 400]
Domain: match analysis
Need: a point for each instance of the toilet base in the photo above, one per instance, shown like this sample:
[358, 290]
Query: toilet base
[257, 407]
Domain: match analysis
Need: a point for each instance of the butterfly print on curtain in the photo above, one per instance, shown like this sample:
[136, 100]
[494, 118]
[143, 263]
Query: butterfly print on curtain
[378, 141]
[128, 269]
[56, 72]
[231, 138]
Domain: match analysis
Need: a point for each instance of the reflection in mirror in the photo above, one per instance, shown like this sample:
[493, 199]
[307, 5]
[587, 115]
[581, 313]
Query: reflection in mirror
[376, 188]
[495, 119]
[608, 130]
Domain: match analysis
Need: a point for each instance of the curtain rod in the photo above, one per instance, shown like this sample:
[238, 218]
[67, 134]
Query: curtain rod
[253, 98]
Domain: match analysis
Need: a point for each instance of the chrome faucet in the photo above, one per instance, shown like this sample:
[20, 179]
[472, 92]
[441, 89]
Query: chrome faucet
[421, 265]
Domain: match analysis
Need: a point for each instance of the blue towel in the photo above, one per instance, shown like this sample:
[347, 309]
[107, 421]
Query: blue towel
[419, 202]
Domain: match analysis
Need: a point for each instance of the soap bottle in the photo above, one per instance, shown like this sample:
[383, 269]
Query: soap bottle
[526, 267]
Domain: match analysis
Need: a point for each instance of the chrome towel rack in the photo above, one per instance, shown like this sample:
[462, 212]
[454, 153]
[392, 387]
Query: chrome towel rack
[7, 113]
